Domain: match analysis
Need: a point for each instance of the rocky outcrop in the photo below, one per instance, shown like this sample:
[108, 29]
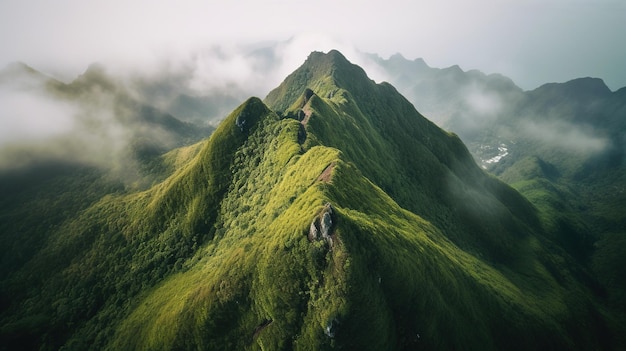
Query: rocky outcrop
[326, 225]
[241, 120]
[314, 233]
[331, 328]
[322, 226]
[305, 111]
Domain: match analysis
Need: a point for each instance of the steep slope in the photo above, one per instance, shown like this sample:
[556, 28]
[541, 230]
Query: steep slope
[332, 215]
[465, 102]
[577, 130]
[497, 120]
[561, 145]
[110, 143]
[424, 169]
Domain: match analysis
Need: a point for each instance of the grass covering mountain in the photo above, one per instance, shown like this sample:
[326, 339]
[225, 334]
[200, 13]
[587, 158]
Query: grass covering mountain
[560, 145]
[332, 215]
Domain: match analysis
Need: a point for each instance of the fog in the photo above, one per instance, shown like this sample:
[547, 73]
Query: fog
[88, 118]
[484, 103]
[565, 136]
[203, 85]
[233, 71]
[531, 41]
[42, 122]
[30, 113]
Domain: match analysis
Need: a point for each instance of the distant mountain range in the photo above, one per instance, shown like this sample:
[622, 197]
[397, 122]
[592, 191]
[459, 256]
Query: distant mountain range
[478, 106]
[330, 215]
[562, 145]
[101, 122]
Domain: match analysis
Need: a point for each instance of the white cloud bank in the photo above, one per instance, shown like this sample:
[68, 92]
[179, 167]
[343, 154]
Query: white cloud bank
[531, 41]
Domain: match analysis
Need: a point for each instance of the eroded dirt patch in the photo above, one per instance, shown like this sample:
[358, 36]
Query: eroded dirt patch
[326, 175]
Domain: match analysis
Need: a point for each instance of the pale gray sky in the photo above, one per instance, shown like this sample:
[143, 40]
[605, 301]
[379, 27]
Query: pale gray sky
[531, 41]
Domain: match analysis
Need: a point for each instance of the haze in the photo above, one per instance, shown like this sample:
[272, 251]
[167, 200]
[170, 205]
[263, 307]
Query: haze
[533, 42]
[225, 52]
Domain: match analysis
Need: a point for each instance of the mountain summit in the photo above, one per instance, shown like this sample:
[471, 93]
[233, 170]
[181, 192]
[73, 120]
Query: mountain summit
[330, 215]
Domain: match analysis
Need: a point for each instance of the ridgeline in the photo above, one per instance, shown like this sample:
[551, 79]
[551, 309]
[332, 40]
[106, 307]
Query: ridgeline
[331, 215]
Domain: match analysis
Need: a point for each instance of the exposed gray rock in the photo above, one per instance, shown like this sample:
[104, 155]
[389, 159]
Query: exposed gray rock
[331, 328]
[326, 225]
[313, 232]
[328, 208]
[241, 120]
[322, 226]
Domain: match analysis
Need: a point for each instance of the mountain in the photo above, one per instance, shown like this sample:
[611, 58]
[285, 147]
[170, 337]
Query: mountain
[159, 130]
[575, 130]
[94, 120]
[561, 145]
[330, 215]
[113, 142]
[171, 93]
[579, 120]
[465, 102]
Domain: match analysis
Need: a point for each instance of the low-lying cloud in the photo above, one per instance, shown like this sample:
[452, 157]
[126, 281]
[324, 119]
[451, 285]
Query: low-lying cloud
[39, 123]
[91, 126]
[485, 104]
[31, 114]
[229, 70]
[565, 136]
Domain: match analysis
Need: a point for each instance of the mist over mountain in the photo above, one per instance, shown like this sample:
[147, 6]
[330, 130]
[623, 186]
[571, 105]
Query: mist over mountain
[561, 145]
[204, 86]
[331, 214]
[94, 120]
[570, 117]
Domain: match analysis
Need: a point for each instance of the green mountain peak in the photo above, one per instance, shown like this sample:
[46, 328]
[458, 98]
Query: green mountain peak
[331, 215]
[324, 73]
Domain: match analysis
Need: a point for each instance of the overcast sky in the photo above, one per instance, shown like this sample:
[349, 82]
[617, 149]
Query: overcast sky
[533, 42]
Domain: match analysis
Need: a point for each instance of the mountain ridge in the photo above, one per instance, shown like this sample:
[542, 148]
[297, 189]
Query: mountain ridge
[421, 132]
[330, 215]
[561, 145]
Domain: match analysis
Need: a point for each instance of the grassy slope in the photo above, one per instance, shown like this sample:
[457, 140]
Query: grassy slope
[585, 218]
[424, 169]
[98, 259]
[264, 268]
[427, 250]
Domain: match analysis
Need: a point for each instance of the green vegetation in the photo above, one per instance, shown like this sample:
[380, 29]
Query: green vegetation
[584, 217]
[423, 249]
